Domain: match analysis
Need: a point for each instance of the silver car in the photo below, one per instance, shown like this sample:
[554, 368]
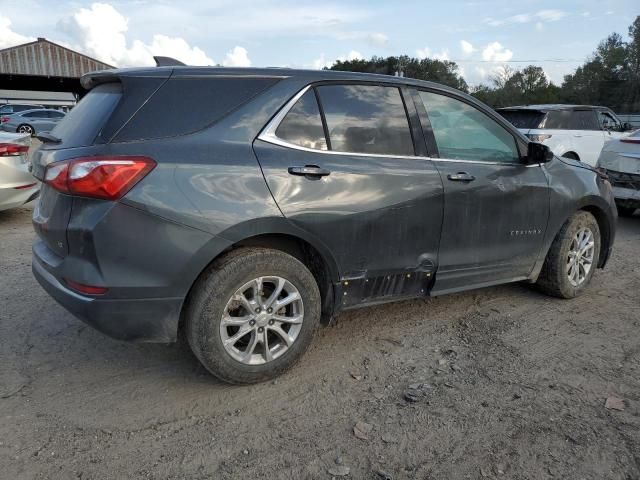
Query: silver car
[32, 122]
[17, 185]
[621, 160]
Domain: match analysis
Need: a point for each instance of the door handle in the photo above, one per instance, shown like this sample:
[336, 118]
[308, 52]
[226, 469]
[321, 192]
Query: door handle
[309, 171]
[461, 177]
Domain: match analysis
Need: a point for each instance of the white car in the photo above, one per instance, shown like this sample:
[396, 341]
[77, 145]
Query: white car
[17, 185]
[572, 131]
[621, 160]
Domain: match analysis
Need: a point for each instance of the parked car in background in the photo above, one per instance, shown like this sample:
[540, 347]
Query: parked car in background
[275, 198]
[620, 159]
[17, 107]
[17, 185]
[571, 131]
[32, 122]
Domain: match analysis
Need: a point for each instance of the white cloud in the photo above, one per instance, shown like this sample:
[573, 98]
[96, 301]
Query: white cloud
[101, 32]
[322, 61]
[495, 52]
[467, 47]
[541, 16]
[378, 39]
[551, 15]
[539, 26]
[238, 57]
[426, 52]
[9, 38]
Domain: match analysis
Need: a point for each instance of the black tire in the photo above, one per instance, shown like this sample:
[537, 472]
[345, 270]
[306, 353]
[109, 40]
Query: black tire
[626, 211]
[215, 288]
[553, 279]
[26, 128]
[571, 155]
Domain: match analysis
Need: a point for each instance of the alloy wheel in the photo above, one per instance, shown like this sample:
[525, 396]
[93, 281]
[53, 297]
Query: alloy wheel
[262, 320]
[580, 258]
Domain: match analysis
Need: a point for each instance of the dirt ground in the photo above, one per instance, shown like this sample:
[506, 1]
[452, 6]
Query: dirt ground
[496, 383]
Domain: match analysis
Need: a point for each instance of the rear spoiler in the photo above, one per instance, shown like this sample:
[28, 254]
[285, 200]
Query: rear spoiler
[93, 79]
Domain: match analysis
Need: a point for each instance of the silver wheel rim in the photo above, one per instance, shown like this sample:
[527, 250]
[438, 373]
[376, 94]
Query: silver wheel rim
[25, 129]
[580, 258]
[262, 320]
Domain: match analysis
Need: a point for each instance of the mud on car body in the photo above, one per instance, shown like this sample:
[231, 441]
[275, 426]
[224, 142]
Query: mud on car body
[245, 205]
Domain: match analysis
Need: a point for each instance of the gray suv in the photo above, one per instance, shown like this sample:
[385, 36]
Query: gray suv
[246, 206]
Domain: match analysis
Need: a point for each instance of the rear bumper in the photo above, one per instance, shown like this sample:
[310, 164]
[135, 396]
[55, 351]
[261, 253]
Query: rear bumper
[626, 196]
[138, 320]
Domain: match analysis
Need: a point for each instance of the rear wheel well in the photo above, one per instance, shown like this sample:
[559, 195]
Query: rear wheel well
[605, 231]
[294, 246]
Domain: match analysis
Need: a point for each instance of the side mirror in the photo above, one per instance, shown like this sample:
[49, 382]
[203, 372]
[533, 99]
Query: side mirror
[538, 153]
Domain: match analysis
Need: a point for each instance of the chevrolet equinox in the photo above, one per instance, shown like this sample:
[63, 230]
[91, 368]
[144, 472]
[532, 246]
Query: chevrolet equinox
[246, 206]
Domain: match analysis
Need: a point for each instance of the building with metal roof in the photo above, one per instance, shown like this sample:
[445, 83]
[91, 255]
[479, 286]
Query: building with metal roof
[44, 73]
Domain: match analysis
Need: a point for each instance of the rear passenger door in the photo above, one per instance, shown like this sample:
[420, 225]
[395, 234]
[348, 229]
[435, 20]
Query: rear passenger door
[588, 137]
[496, 207]
[340, 160]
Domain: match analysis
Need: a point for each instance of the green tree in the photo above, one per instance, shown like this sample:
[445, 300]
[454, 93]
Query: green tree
[440, 71]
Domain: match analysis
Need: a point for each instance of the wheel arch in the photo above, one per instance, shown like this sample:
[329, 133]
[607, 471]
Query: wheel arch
[316, 257]
[571, 154]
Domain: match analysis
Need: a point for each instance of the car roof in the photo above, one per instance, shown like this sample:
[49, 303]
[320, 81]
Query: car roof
[38, 110]
[89, 80]
[551, 106]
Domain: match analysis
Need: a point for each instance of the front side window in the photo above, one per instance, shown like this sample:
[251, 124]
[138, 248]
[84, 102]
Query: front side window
[366, 119]
[609, 122]
[463, 132]
[303, 124]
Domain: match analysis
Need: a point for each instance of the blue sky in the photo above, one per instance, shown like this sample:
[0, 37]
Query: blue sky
[480, 35]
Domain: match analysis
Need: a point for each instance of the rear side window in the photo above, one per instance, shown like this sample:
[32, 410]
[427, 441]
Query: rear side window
[55, 114]
[366, 119]
[584, 120]
[303, 124]
[186, 105]
[81, 125]
[463, 132]
[523, 118]
[38, 114]
[558, 120]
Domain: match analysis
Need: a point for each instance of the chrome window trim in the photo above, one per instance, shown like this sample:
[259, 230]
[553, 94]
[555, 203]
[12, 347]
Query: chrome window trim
[268, 134]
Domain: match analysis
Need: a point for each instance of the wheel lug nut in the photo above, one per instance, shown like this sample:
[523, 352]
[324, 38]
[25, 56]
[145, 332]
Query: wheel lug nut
[252, 322]
[261, 330]
[258, 310]
[270, 310]
[271, 322]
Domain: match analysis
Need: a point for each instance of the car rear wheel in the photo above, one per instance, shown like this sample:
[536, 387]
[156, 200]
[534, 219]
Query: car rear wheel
[252, 315]
[572, 258]
[25, 129]
[571, 155]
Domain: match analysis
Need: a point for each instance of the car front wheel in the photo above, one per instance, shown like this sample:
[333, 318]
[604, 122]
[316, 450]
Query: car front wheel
[252, 315]
[572, 258]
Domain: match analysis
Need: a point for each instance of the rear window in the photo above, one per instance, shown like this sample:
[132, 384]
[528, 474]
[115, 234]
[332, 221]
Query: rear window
[523, 118]
[82, 124]
[186, 105]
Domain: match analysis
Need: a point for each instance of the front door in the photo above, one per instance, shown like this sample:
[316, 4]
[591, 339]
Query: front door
[342, 166]
[496, 208]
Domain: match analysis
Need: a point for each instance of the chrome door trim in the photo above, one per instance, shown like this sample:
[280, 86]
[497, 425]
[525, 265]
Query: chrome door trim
[268, 134]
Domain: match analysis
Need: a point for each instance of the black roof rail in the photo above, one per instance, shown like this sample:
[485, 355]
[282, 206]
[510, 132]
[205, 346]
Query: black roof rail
[168, 62]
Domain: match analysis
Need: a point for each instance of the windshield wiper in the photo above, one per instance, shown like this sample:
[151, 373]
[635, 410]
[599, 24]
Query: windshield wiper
[47, 138]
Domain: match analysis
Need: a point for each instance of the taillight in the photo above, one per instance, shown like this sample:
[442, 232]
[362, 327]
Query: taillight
[108, 178]
[5, 119]
[630, 140]
[86, 289]
[12, 149]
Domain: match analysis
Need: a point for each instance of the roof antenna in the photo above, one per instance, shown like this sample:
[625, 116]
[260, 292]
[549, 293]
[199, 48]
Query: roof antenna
[168, 62]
